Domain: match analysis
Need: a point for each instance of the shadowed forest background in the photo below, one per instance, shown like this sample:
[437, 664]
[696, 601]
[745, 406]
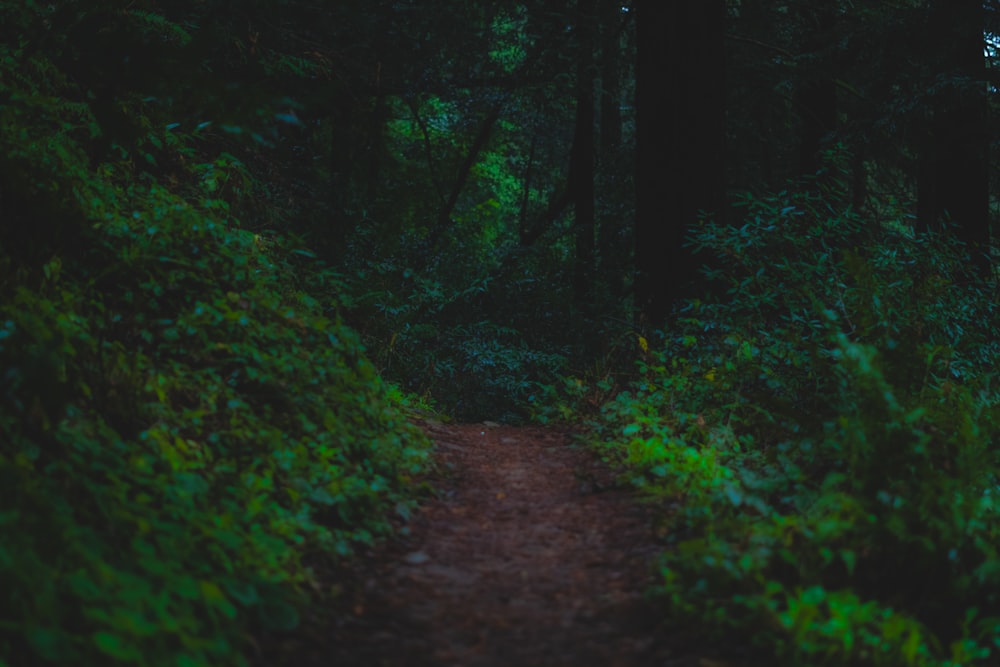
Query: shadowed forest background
[744, 245]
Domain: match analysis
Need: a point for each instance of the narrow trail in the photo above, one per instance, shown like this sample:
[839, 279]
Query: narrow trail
[529, 556]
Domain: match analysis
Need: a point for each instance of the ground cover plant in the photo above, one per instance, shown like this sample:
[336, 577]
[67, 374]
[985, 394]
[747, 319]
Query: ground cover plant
[821, 438]
[188, 433]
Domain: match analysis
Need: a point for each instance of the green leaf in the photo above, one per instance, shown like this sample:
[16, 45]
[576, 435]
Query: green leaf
[115, 646]
[47, 643]
[244, 593]
[188, 660]
[214, 596]
[850, 560]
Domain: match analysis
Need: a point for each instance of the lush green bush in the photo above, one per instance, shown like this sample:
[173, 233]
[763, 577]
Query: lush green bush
[187, 430]
[822, 439]
[441, 340]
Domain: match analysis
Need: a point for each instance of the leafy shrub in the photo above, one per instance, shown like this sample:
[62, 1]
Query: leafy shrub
[187, 430]
[475, 368]
[822, 440]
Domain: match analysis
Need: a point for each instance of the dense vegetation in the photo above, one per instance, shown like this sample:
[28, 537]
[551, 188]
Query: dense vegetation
[188, 428]
[821, 438]
[241, 243]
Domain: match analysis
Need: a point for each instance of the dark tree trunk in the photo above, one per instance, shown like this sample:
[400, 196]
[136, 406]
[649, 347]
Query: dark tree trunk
[953, 178]
[817, 102]
[612, 254]
[611, 112]
[581, 171]
[680, 125]
[816, 94]
[344, 153]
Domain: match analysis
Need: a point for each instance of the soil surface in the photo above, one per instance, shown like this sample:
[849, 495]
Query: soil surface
[528, 556]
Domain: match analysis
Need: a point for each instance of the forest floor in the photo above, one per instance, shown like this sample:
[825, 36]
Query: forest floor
[529, 554]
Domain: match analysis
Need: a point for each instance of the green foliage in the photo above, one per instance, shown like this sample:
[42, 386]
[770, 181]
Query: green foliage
[422, 337]
[821, 438]
[454, 309]
[187, 430]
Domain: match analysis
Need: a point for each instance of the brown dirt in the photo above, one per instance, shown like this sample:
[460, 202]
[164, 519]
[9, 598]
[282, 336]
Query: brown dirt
[528, 556]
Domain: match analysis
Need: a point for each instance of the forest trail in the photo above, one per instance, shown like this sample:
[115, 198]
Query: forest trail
[528, 556]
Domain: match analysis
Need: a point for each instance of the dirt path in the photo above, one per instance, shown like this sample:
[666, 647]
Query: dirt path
[529, 557]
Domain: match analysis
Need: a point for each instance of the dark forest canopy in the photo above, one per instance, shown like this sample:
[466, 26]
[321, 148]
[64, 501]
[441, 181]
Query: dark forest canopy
[750, 240]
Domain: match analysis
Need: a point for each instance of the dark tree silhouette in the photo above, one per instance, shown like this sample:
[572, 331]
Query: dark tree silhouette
[680, 137]
[581, 172]
[953, 177]
[816, 92]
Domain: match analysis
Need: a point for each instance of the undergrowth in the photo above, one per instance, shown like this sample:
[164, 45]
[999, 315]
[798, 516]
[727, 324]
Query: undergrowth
[188, 433]
[438, 339]
[822, 441]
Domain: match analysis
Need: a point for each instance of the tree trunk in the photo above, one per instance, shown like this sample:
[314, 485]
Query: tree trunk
[816, 93]
[817, 102]
[611, 112]
[953, 177]
[581, 171]
[680, 125]
[612, 252]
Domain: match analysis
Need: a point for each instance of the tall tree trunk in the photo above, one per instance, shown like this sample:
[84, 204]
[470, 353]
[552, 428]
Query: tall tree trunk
[680, 125]
[581, 171]
[612, 256]
[610, 20]
[953, 177]
[817, 102]
[816, 93]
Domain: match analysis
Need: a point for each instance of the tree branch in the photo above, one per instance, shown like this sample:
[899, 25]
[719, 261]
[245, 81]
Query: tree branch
[428, 148]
